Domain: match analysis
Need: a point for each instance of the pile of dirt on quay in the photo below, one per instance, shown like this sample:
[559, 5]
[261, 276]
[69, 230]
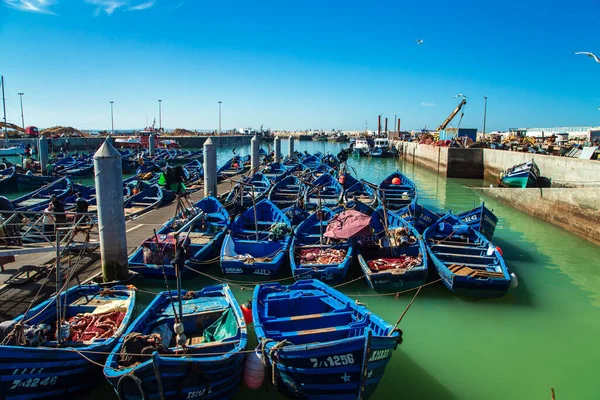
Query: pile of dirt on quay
[180, 132]
[63, 131]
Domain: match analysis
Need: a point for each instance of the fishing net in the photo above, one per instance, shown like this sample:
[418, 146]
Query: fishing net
[223, 328]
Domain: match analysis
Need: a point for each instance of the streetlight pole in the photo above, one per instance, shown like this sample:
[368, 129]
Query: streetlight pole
[112, 120]
[22, 117]
[220, 117]
[159, 115]
[4, 106]
[484, 113]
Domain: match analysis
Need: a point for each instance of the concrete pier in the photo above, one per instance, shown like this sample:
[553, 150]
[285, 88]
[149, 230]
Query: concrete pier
[291, 146]
[111, 217]
[210, 168]
[43, 154]
[277, 149]
[255, 154]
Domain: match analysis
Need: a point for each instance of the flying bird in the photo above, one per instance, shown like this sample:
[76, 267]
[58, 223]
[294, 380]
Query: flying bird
[419, 41]
[591, 55]
[460, 95]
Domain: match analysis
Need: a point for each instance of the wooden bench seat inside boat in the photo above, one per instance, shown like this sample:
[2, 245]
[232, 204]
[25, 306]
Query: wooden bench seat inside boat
[464, 270]
[199, 237]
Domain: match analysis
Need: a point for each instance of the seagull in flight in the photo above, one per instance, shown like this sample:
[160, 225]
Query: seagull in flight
[460, 95]
[591, 55]
[419, 41]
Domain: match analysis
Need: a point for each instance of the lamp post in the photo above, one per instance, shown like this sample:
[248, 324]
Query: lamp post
[160, 115]
[220, 117]
[112, 120]
[22, 117]
[484, 113]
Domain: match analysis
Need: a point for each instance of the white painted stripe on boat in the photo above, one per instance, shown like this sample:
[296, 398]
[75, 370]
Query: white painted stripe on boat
[135, 227]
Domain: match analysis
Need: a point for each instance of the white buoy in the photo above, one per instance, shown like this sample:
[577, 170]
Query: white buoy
[254, 370]
[514, 282]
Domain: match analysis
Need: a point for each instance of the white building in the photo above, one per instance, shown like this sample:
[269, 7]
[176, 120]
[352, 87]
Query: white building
[575, 132]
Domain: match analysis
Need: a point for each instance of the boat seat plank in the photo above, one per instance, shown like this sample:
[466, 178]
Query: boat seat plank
[465, 255]
[480, 266]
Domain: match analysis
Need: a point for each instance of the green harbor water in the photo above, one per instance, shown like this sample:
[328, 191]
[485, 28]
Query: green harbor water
[542, 334]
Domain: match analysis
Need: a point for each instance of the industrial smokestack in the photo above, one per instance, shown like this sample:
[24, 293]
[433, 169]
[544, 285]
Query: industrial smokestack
[386, 125]
[398, 125]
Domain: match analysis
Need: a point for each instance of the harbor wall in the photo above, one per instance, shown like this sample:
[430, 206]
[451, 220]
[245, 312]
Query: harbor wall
[94, 142]
[576, 210]
[489, 164]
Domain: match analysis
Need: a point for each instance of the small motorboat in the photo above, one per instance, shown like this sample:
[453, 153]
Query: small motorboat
[200, 232]
[399, 191]
[395, 257]
[315, 256]
[258, 242]
[468, 263]
[287, 192]
[148, 362]
[34, 364]
[521, 176]
[481, 219]
[324, 191]
[319, 343]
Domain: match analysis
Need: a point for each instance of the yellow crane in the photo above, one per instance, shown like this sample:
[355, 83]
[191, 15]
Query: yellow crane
[452, 115]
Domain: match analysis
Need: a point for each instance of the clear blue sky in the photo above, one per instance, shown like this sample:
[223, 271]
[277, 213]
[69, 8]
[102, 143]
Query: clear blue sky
[299, 65]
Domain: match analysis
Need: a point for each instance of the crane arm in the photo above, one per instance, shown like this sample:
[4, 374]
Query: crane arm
[452, 115]
[8, 125]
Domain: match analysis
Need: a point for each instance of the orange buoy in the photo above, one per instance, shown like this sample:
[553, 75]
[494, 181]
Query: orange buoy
[342, 179]
[254, 370]
[235, 165]
[499, 250]
[247, 311]
[396, 181]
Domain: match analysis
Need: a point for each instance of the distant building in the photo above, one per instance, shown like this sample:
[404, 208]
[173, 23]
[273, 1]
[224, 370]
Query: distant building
[574, 132]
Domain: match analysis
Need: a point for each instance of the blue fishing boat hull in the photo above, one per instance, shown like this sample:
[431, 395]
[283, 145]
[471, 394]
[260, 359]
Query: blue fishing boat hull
[331, 192]
[453, 245]
[81, 170]
[25, 181]
[336, 349]
[212, 370]
[8, 180]
[521, 176]
[481, 219]
[42, 372]
[399, 195]
[286, 193]
[245, 195]
[39, 199]
[244, 252]
[418, 216]
[360, 192]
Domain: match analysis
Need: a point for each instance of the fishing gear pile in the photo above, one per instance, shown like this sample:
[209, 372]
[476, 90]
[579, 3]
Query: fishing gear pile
[322, 256]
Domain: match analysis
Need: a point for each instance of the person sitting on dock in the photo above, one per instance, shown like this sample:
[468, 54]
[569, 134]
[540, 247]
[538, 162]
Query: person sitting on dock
[48, 223]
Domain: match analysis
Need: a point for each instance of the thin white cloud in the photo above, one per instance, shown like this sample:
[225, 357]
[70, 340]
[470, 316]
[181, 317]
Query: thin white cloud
[427, 104]
[38, 6]
[181, 2]
[142, 6]
[106, 6]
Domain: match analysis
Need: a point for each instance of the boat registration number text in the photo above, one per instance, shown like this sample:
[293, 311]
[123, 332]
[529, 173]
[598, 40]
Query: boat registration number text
[333, 361]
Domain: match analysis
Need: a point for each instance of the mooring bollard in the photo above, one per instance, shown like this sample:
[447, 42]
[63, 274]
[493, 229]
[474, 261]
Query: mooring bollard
[43, 154]
[111, 217]
[277, 149]
[151, 145]
[210, 168]
[291, 146]
[255, 153]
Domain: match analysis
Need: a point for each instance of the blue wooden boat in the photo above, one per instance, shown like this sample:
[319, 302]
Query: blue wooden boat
[246, 251]
[231, 168]
[275, 171]
[313, 161]
[330, 195]
[398, 195]
[79, 170]
[211, 365]
[362, 193]
[466, 261]
[245, 195]
[25, 181]
[320, 343]
[481, 219]
[40, 368]
[201, 232]
[8, 180]
[395, 259]
[521, 176]
[347, 180]
[39, 199]
[418, 216]
[64, 163]
[322, 169]
[308, 239]
[144, 201]
[287, 192]
[195, 168]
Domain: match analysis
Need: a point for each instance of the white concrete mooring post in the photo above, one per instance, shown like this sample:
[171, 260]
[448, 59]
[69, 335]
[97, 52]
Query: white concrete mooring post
[151, 145]
[111, 217]
[210, 168]
[43, 154]
[291, 146]
[277, 149]
[255, 153]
